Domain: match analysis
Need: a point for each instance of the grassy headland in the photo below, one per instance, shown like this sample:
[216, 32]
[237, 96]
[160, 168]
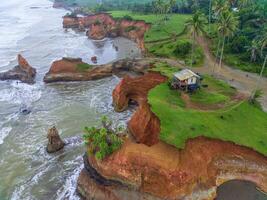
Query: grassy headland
[238, 122]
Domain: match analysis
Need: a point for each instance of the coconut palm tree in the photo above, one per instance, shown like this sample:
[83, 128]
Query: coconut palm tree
[196, 26]
[220, 6]
[227, 26]
[244, 3]
[263, 45]
[210, 5]
[254, 50]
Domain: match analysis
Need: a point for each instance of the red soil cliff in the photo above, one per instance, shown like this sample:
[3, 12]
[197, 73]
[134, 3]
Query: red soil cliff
[144, 125]
[104, 25]
[192, 173]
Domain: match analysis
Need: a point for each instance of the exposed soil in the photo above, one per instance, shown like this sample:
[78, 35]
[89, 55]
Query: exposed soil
[104, 25]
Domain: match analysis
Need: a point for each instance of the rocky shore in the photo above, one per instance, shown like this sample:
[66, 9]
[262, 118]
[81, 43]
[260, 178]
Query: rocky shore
[74, 69]
[103, 25]
[22, 72]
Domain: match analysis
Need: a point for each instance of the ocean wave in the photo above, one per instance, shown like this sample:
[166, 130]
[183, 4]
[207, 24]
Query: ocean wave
[4, 133]
[20, 93]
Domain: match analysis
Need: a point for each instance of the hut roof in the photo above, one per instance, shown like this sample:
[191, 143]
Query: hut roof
[185, 74]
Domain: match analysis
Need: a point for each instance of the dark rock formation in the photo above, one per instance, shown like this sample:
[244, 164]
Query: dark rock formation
[23, 72]
[55, 143]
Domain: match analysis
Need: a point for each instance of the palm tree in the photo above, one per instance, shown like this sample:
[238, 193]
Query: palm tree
[263, 45]
[220, 6]
[254, 50]
[196, 26]
[172, 4]
[244, 3]
[210, 5]
[227, 26]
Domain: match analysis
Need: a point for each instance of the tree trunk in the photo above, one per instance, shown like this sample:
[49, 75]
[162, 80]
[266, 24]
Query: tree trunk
[259, 79]
[193, 48]
[210, 14]
[221, 57]
[216, 58]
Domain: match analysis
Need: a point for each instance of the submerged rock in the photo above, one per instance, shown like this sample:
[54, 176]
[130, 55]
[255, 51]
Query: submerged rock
[55, 143]
[23, 72]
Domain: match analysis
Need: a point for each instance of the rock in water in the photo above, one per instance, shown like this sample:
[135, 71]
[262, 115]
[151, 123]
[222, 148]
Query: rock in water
[23, 72]
[55, 143]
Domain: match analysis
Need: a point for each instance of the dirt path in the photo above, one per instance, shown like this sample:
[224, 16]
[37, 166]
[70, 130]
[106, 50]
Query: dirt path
[245, 82]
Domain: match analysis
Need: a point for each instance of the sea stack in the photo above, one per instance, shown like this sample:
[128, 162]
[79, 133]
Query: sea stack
[23, 72]
[55, 143]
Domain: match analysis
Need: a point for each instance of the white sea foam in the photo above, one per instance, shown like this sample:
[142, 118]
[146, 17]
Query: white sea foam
[4, 133]
[20, 93]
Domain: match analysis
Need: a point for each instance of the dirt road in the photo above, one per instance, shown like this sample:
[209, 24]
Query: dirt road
[244, 81]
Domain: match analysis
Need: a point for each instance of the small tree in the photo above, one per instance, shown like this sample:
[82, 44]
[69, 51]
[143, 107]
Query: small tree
[227, 26]
[196, 26]
[103, 141]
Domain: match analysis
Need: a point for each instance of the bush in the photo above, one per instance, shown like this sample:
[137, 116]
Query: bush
[238, 44]
[97, 22]
[83, 67]
[130, 28]
[103, 141]
[127, 17]
[182, 48]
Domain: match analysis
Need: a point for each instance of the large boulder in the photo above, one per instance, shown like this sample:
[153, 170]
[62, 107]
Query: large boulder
[23, 72]
[55, 143]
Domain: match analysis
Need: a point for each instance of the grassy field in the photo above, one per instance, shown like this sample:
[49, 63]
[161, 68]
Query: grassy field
[178, 123]
[169, 50]
[158, 31]
[158, 39]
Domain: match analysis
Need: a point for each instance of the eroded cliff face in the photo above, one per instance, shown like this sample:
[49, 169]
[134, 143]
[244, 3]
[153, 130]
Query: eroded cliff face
[103, 25]
[192, 173]
[144, 125]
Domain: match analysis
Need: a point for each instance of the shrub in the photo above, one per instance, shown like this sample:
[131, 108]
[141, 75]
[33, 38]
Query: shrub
[127, 17]
[130, 28]
[97, 22]
[103, 141]
[238, 44]
[182, 48]
[83, 67]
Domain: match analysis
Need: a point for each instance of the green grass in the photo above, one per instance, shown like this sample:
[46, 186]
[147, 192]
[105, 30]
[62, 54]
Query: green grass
[167, 49]
[242, 123]
[83, 67]
[237, 61]
[158, 31]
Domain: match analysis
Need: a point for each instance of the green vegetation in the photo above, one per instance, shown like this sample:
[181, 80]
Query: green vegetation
[131, 28]
[215, 92]
[244, 30]
[83, 67]
[180, 49]
[178, 124]
[159, 31]
[102, 141]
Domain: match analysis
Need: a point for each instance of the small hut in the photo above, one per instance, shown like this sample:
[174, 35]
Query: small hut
[186, 80]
